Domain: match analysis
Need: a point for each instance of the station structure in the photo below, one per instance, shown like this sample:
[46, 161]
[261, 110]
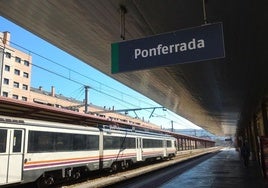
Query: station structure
[26, 101]
[227, 95]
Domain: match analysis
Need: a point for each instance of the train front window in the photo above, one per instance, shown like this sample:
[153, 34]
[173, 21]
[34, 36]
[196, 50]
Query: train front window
[3, 140]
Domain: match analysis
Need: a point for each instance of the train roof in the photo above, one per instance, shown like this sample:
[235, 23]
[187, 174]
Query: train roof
[42, 123]
[22, 109]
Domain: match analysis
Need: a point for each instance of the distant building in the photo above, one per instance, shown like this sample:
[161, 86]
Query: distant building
[15, 71]
[15, 77]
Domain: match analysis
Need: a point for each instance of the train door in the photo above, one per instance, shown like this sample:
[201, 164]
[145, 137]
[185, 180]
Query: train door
[11, 155]
[101, 138]
[165, 147]
[139, 148]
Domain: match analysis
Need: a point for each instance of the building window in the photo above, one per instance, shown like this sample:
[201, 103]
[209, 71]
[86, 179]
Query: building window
[5, 94]
[17, 59]
[24, 98]
[8, 55]
[17, 72]
[7, 68]
[25, 75]
[15, 96]
[26, 63]
[6, 81]
[16, 84]
[24, 87]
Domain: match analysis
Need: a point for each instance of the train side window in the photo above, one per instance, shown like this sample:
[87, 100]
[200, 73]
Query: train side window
[127, 143]
[63, 142]
[40, 141]
[107, 142]
[151, 143]
[168, 143]
[79, 143]
[114, 142]
[58, 142]
[85, 142]
[147, 143]
[17, 141]
[3, 140]
[111, 142]
[131, 143]
[92, 142]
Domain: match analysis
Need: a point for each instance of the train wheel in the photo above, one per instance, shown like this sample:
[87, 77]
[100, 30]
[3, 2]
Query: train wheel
[114, 167]
[128, 164]
[76, 175]
[45, 181]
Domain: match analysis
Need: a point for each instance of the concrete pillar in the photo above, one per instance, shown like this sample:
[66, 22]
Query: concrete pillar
[264, 116]
[254, 127]
[178, 144]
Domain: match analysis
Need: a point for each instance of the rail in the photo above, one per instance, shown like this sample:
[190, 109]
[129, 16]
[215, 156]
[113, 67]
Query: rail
[180, 157]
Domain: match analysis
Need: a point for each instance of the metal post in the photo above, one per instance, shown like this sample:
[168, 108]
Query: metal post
[86, 98]
[204, 12]
[123, 11]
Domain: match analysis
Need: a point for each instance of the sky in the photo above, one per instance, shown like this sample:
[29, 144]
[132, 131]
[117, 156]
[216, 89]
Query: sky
[54, 67]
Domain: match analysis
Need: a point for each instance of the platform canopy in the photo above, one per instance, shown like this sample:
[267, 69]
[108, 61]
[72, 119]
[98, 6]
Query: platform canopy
[219, 95]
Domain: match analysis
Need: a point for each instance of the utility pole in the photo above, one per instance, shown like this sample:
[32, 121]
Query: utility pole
[2, 66]
[86, 98]
[172, 128]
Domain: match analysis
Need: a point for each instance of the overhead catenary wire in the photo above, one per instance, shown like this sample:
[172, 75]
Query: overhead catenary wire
[80, 91]
[76, 72]
[80, 83]
[72, 80]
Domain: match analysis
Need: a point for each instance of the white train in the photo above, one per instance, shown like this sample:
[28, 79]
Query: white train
[45, 152]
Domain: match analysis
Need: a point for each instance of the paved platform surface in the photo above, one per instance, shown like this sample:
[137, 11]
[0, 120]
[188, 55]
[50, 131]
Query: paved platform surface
[223, 170]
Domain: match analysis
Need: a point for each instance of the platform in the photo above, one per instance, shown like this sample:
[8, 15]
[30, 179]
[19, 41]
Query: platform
[223, 170]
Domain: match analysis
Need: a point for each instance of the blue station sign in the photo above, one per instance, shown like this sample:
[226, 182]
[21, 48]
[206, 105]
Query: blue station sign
[183, 46]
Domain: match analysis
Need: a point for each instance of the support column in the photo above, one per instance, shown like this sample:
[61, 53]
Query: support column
[178, 144]
[181, 143]
[190, 144]
[264, 116]
[254, 127]
[251, 141]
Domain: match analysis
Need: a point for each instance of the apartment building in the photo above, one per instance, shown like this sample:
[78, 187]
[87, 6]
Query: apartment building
[15, 72]
[15, 77]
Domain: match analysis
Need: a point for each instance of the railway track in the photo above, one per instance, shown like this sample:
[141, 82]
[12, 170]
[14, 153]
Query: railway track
[120, 178]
